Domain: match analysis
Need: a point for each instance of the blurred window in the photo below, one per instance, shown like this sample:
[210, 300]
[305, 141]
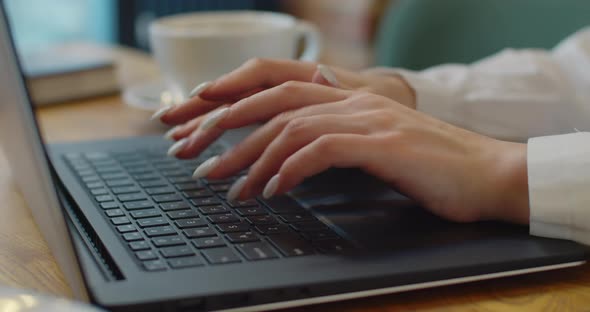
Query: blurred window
[39, 23]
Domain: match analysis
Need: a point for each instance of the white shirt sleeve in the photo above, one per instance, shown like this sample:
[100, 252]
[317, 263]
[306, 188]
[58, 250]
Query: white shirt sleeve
[519, 95]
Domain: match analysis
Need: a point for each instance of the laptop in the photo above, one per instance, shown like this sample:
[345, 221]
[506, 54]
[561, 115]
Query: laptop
[132, 231]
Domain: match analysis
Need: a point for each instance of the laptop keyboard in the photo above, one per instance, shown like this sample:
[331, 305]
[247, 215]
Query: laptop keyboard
[168, 220]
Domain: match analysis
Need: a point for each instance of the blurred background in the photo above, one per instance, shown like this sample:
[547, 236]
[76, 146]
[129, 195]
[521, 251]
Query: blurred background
[348, 26]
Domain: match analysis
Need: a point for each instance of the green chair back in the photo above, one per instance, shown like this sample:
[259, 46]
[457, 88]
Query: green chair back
[417, 34]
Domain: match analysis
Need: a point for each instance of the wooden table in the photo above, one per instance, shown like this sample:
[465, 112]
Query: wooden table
[26, 262]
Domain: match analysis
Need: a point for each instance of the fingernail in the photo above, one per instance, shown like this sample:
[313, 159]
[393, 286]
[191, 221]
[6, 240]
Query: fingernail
[271, 187]
[328, 74]
[161, 112]
[200, 88]
[170, 133]
[206, 167]
[214, 118]
[177, 147]
[236, 189]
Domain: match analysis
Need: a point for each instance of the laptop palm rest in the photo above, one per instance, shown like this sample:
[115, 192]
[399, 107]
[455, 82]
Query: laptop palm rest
[372, 216]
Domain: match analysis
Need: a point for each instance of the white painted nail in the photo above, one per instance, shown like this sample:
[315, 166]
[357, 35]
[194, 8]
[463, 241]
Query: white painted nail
[200, 88]
[329, 75]
[177, 147]
[161, 112]
[213, 119]
[271, 187]
[206, 167]
[236, 189]
[170, 133]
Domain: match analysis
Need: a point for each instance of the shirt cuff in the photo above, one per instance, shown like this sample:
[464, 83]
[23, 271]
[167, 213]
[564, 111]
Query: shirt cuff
[559, 186]
[431, 97]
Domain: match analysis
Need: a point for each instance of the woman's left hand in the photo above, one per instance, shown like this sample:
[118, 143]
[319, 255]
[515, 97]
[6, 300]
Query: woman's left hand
[457, 174]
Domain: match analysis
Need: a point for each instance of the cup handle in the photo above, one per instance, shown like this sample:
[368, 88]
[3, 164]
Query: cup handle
[311, 38]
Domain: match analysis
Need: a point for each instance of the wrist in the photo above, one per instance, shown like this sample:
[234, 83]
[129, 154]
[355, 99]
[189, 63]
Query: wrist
[511, 184]
[402, 91]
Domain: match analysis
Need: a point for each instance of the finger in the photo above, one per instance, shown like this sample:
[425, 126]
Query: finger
[258, 73]
[197, 142]
[181, 131]
[329, 151]
[296, 135]
[251, 148]
[269, 103]
[195, 107]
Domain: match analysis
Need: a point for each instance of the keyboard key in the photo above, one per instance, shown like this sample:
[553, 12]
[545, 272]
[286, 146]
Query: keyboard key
[209, 242]
[291, 245]
[221, 181]
[131, 197]
[192, 186]
[149, 222]
[179, 263]
[94, 185]
[109, 205]
[114, 213]
[207, 201]
[309, 226]
[190, 223]
[90, 178]
[220, 188]
[199, 232]
[117, 183]
[217, 209]
[160, 190]
[153, 183]
[133, 236]
[146, 176]
[174, 173]
[140, 245]
[184, 179]
[146, 255]
[257, 251]
[167, 198]
[156, 265]
[177, 251]
[125, 190]
[283, 204]
[290, 218]
[226, 218]
[234, 227]
[114, 176]
[251, 211]
[126, 228]
[146, 213]
[166, 241]
[272, 228]
[160, 231]
[221, 255]
[262, 220]
[183, 214]
[99, 191]
[198, 193]
[120, 220]
[108, 169]
[140, 168]
[103, 198]
[138, 205]
[242, 237]
[175, 206]
[243, 203]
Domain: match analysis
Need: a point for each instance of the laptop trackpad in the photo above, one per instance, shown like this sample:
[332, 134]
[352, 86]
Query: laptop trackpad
[373, 216]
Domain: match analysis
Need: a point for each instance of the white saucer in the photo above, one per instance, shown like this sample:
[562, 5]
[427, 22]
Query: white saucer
[149, 96]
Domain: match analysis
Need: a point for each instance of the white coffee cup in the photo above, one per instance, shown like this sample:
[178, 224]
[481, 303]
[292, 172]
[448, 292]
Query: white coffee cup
[197, 47]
